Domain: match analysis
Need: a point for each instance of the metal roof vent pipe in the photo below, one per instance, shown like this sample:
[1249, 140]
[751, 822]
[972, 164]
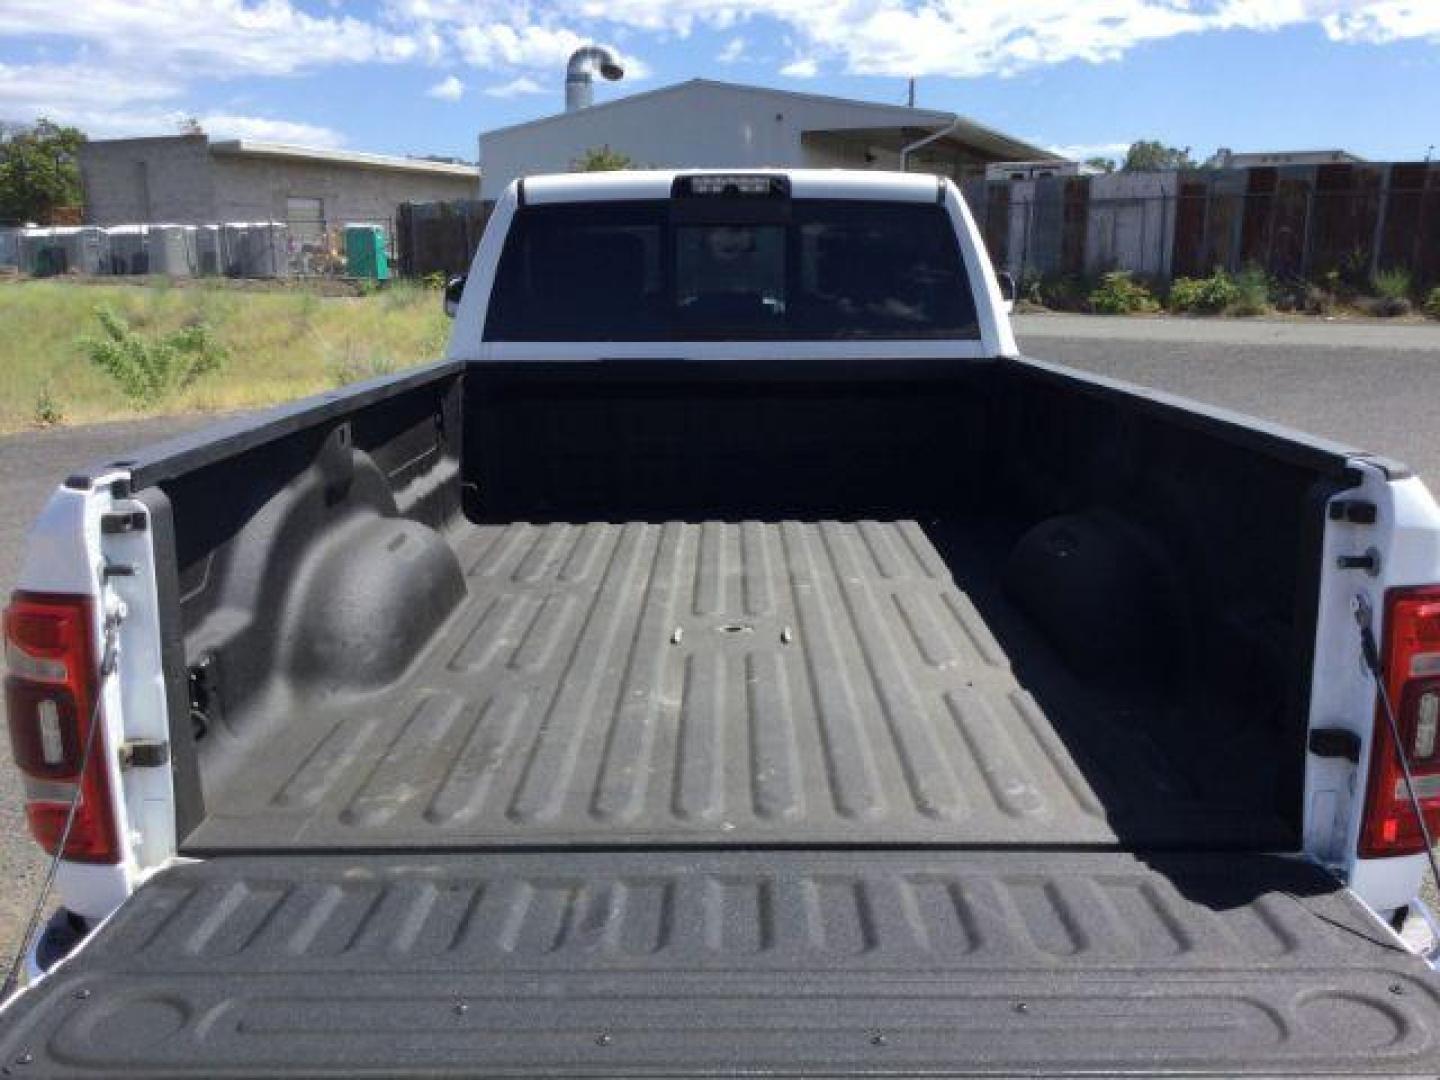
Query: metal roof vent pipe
[580, 74]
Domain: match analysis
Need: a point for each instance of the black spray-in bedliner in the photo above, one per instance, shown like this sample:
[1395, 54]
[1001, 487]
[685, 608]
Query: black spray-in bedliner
[627, 964]
[732, 683]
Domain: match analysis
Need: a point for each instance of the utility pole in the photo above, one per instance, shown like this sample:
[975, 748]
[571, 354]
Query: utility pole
[910, 97]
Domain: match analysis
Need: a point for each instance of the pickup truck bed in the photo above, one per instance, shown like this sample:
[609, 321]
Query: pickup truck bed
[703, 683]
[652, 718]
[789, 963]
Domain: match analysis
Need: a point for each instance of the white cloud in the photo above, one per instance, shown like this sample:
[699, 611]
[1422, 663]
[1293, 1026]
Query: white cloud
[127, 55]
[1084, 151]
[490, 45]
[267, 129]
[447, 89]
[1382, 23]
[107, 104]
[112, 63]
[733, 51]
[964, 38]
[212, 38]
[530, 47]
[516, 87]
[59, 90]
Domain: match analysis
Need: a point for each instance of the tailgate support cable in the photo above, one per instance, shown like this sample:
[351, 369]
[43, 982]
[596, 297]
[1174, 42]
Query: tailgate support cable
[1371, 653]
[107, 668]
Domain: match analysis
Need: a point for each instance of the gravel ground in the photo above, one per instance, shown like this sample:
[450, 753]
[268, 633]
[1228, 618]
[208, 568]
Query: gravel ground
[1374, 386]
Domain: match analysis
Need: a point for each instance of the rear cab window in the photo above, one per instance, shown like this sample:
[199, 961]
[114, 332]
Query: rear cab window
[664, 270]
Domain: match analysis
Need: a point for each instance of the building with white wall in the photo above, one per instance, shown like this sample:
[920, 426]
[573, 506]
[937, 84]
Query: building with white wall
[707, 124]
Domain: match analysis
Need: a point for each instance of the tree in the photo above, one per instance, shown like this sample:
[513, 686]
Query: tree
[189, 125]
[1103, 164]
[1147, 155]
[39, 171]
[602, 159]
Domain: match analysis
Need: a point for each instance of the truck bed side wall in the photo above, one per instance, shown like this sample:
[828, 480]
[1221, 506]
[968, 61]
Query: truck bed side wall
[259, 541]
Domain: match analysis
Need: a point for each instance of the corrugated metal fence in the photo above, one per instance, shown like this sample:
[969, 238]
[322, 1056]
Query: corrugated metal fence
[1296, 222]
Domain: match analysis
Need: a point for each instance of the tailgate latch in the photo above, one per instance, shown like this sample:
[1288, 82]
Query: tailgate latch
[144, 754]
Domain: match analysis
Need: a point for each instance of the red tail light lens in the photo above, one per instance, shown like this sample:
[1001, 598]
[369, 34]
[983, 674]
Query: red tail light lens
[1411, 658]
[50, 698]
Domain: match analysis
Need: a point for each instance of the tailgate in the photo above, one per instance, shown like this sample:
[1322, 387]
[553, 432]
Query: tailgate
[789, 962]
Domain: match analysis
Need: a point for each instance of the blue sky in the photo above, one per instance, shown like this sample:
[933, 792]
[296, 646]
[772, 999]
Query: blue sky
[424, 76]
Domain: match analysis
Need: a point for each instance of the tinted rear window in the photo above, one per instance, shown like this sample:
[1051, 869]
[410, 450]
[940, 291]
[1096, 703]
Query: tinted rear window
[628, 272]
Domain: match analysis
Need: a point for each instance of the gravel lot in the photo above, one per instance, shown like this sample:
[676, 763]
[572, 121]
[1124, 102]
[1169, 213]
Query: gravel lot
[1373, 386]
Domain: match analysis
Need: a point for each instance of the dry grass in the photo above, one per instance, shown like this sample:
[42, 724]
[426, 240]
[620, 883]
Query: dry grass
[280, 345]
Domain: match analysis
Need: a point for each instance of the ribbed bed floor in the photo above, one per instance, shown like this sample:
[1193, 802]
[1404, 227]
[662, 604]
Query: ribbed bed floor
[721, 683]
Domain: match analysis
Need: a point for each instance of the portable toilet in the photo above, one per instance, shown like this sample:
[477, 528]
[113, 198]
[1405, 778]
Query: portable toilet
[83, 248]
[254, 249]
[40, 256]
[234, 249]
[271, 249]
[172, 250]
[207, 250]
[127, 249]
[365, 252]
[9, 248]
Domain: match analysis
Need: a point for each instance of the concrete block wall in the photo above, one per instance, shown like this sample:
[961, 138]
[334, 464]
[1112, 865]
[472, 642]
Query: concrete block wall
[162, 179]
[183, 180]
[258, 189]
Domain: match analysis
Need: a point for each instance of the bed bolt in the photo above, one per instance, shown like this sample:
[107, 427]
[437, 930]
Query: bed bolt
[786, 636]
[603, 1039]
[1396, 988]
[1022, 1006]
[878, 1040]
[82, 994]
[25, 1058]
[676, 635]
[461, 1008]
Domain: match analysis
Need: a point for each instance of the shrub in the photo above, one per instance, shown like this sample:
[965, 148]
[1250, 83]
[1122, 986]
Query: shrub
[1252, 293]
[1204, 296]
[47, 409]
[1432, 303]
[1064, 292]
[1393, 284]
[149, 370]
[1120, 294]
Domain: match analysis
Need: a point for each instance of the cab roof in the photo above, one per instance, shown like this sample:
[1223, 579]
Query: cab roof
[657, 184]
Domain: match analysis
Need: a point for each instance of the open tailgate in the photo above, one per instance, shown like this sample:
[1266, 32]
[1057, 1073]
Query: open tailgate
[649, 963]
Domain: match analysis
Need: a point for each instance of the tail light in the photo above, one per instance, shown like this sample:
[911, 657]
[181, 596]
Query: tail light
[50, 698]
[1411, 662]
